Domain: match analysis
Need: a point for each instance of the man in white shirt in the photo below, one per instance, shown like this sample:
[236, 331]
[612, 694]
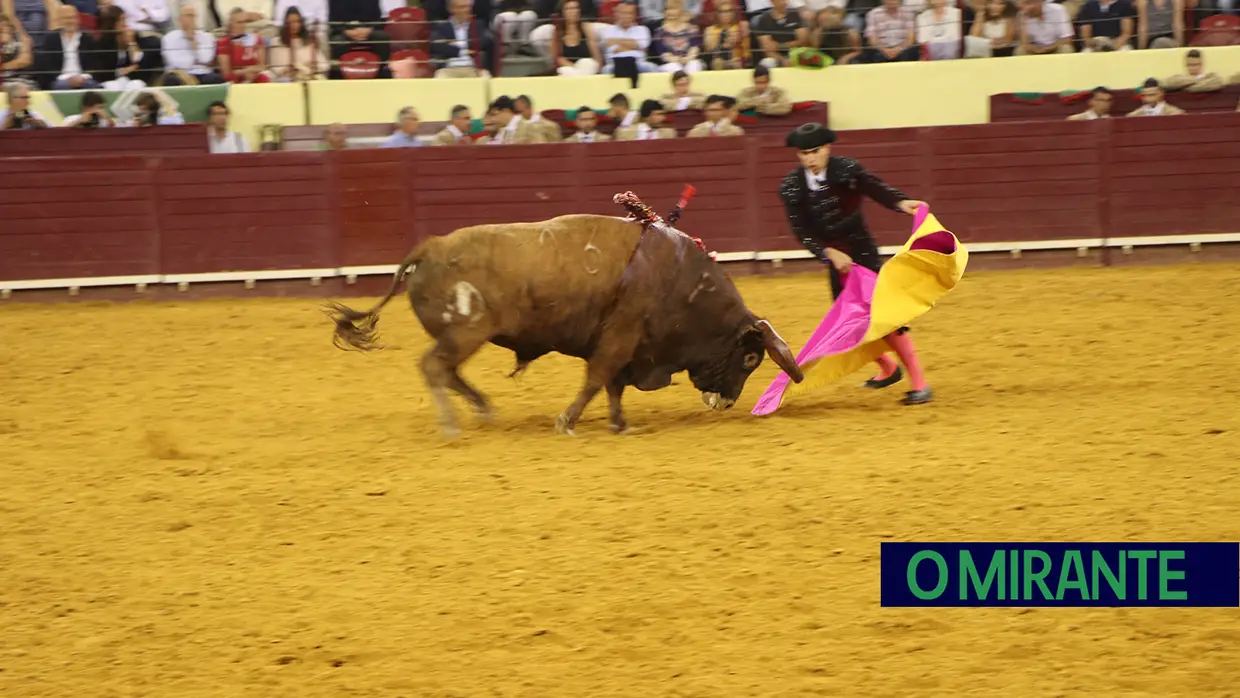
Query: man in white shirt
[625, 39]
[93, 114]
[587, 128]
[219, 138]
[190, 50]
[1044, 28]
[69, 54]
[19, 115]
[152, 16]
[1100, 101]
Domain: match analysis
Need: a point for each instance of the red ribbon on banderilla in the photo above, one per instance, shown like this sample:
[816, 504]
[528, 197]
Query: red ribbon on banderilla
[646, 215]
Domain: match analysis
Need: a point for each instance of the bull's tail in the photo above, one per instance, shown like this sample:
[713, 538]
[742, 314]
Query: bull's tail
[355, 329]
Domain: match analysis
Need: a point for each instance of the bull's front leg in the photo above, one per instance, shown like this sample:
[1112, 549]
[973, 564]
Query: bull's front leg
[602, 370]
[567, 421]
[615, 390]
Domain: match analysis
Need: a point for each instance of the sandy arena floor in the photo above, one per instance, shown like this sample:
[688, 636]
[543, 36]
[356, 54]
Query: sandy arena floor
[208, 499]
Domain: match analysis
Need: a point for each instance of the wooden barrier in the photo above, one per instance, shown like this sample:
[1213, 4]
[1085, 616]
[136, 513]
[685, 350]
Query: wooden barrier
[1053, 105]
[52, 142]
[81, 221]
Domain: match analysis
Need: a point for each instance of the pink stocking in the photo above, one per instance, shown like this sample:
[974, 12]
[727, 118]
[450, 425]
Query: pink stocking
[886, 367]
[903, 346]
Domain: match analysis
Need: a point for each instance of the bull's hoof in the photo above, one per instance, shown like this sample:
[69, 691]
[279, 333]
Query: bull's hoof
[487, 416]
[450, 432]
[620, 429]
[562, 426]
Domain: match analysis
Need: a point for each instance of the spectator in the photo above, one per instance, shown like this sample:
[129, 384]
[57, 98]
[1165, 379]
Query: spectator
[296, 55]
[679, 41]
[719, 111]
[889, 29]
[579, 52]
[123, 64]
[35, 17]
[313, 15]
[548, 131]
[653, 12]
[406, 134]
[19, 115]
[242, 55]
[335, 137]
[219, 138]
[940, 31]
[587, 128]
[834, 38]
[509, 128]
[146, 16]
[547, 8]
[726, 43]
[92, 113]
[682, 97]
[1107, 26]
[189, 52]
[1100, 101]
[16, 51]
[766, 98]
[355, 27]
[457, 130]
[1154, 102]
[1160, 23]
[619, 111]
[156, 109]
[649, 126]
[779, 31]
[459, 44]
[68, 55]
[489, 127]
[1044, 28]
[625, 39]
[513, 23]
[993, 32]
[1194, 78]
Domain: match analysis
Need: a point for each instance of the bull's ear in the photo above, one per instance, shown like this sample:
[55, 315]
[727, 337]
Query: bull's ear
[779, 352]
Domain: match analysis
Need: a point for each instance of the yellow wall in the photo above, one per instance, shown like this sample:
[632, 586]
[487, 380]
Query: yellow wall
[255, 105]
[378, 101]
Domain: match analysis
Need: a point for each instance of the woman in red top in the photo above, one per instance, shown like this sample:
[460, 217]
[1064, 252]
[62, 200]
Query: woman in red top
[242, 55]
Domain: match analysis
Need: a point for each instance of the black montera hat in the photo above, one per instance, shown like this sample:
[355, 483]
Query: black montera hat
[810, 136]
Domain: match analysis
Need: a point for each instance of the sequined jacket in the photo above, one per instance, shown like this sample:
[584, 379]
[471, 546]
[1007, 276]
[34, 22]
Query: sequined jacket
[831, 216]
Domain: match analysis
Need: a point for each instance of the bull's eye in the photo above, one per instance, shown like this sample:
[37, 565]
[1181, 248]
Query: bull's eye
[751, 361]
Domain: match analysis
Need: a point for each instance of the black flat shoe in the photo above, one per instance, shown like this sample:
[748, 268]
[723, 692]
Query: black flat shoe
[918, 397]
[876, 384]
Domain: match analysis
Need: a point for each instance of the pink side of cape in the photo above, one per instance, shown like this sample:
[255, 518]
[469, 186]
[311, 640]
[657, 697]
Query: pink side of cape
[841, 330]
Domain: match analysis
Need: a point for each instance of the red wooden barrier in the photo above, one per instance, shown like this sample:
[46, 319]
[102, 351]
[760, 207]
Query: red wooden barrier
[307, 214]
[51, 142]
[1052, 105]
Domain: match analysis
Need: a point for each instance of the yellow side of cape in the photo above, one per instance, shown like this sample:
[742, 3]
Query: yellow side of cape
[908, 285]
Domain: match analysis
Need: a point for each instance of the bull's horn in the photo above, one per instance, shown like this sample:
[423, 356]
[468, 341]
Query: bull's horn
[779, 352]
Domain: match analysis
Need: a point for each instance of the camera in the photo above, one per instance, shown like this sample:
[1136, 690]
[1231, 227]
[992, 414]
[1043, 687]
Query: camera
[92, 121]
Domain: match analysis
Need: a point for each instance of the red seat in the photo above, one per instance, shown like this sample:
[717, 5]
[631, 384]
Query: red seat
[359, 65]
[1213, 22]
[422, 67]
[1217, 30]
[407, 28]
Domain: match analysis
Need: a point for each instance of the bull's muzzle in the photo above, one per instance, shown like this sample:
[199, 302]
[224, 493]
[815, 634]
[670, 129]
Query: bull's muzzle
[715, 401]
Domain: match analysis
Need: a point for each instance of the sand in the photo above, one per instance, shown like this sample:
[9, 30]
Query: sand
[208, 499]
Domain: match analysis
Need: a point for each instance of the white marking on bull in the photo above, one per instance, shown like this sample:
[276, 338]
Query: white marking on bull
[590, 247]
[704, 284]
[544, 234]
[447, 316]
[466, 293]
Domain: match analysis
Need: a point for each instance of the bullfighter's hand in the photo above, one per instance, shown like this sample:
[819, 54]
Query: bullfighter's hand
[839, 260]
[910, 206]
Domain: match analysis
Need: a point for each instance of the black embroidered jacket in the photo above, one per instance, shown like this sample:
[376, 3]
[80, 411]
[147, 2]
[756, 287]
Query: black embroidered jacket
[831, 215]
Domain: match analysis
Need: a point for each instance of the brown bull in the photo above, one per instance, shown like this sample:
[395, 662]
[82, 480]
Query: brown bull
[637, 306]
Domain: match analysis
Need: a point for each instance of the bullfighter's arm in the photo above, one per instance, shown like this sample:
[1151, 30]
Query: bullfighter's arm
[791, 193]
[873, 187]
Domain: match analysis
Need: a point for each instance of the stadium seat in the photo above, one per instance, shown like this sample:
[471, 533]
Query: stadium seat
[411, 63]
[359, 65]
[408, 29]
[1217, 30]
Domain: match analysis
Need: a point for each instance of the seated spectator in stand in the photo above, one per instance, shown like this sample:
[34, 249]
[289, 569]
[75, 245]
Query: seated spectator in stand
[68, 55]
[92, 113]
[779, 31]
[123, 63]
[579, 52]
[649, 127]
[653, 12]
[406, 134]
[619, 111]
[313, 15]
[726, 42]
[457, 130]
[1107, 26]
[489, 128]
[1044, 28]
[1154, 102]
[625, 39]
[835, 38]
[679, 41]
[892, 35]
[1194, 78]
[993, 32]
[719, 113]
[355, 26]
[335, 137]
[682, 97]
[509, 127]
[151, 17]
[549, 131]
[189, 52]
[547, 8]
[242, 55]
[1100, 101]
[35, 17]
[512, 23]
[1160, 23]
[587, 128]
[460, 44]
[156, 109]
[219, 138]
[766, 98]
[16, 52]
[18, 115]
[940, 30]
[296, 54]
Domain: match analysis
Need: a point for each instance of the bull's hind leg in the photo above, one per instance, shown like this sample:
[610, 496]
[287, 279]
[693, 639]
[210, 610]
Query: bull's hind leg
[439, 365]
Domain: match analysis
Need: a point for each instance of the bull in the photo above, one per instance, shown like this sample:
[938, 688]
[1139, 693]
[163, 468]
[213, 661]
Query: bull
[635, 298]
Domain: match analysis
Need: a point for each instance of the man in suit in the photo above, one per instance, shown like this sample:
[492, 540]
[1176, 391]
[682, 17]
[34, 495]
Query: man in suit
[510, 129]
[720, 110]
[1154, 102]
[69, 56]
[550, 130]
[763, 96]
[682, 97]
[649, 125]
[587, 128]
[1099, 106]
[457, 130]
[460, 45]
